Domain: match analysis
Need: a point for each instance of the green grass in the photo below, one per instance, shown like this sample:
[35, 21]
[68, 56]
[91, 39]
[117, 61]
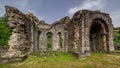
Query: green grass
[66, 60]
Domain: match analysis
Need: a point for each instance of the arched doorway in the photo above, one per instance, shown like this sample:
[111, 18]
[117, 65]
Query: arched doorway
[98, 36]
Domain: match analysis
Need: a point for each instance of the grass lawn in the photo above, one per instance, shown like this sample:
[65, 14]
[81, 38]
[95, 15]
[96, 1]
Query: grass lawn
[66, 60]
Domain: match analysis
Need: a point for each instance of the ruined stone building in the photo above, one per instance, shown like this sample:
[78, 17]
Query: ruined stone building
[87, 31]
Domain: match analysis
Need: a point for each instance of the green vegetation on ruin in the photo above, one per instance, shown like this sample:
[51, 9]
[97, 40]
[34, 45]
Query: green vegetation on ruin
[5, 32]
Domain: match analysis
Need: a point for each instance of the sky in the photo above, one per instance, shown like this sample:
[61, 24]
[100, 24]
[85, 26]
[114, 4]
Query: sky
[53, 10]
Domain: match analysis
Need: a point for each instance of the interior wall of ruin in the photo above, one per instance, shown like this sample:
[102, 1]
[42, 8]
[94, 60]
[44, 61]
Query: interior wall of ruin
[54, 30]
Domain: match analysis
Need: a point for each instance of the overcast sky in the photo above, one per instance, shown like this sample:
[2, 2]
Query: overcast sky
[53, 10]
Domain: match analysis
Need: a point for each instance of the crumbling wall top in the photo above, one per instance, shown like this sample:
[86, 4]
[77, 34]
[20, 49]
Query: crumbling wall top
[64, 21]
[90, 11]
[10, 9]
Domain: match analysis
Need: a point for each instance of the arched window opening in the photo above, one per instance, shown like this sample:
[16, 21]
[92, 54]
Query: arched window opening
[38, 39]
[49, 40]
[60, 39]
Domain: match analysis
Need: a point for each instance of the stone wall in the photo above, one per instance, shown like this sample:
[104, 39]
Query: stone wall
[55, 28]
[82, 22]
[20, 39]
[30, 35]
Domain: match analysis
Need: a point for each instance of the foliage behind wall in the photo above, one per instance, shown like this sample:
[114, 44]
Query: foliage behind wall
[117, 36]
[5, 32]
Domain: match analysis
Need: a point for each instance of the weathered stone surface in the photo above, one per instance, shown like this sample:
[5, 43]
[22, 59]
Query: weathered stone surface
[18, 58]
[3, 50]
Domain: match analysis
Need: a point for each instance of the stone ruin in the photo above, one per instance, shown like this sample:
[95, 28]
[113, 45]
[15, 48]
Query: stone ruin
[86, 32]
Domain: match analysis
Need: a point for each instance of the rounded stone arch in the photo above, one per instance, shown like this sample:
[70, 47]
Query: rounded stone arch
[102, 22]
[49, 33]
[98, 35]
